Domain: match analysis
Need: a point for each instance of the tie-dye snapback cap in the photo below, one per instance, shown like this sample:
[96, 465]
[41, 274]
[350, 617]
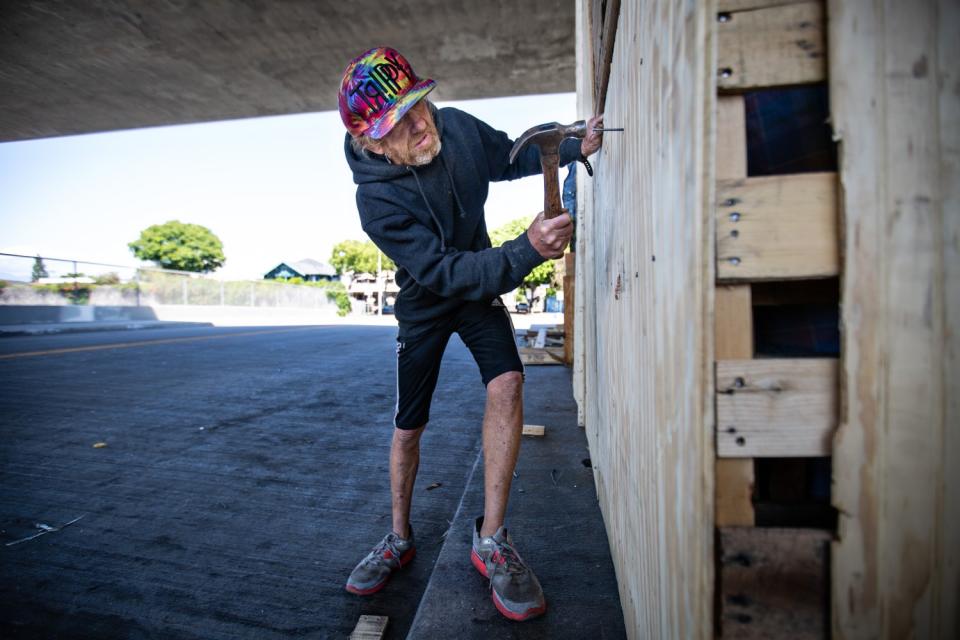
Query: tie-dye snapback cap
[378, 88]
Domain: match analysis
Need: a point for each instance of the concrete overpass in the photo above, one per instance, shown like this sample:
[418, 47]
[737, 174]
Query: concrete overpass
[70, 68]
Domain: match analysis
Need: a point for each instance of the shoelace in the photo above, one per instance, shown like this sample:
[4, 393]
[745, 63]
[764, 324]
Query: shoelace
[513, 562]
[387, 544]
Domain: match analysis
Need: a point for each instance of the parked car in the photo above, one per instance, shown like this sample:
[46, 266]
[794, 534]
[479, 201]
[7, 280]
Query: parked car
[523, 307]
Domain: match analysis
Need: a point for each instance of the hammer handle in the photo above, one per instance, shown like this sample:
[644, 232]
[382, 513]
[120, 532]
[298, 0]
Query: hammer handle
[552, 206]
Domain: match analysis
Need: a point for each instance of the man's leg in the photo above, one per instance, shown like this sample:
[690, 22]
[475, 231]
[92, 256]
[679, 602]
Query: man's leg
[502, 428]
[418, 364]
[404, 461]
[488, 333]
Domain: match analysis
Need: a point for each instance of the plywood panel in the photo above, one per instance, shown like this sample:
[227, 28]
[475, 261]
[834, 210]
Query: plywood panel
[775, 583]
[894, 94]
[644, 272]
[777, 227]
[776, 407]
[780, 45]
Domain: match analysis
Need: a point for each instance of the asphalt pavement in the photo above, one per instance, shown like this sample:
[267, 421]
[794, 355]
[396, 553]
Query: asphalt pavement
[226, 480]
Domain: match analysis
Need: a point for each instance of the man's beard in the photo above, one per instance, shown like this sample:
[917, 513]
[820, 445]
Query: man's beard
[427, 155]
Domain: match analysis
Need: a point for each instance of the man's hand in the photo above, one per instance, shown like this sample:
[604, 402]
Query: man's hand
[594, 139]
[550, 237]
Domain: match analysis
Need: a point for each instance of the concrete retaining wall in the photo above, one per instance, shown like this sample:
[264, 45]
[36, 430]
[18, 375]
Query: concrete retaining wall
[32, 314]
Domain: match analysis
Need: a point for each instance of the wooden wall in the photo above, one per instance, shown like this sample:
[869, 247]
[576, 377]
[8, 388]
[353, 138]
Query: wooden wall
[895, 101]
[644, 367]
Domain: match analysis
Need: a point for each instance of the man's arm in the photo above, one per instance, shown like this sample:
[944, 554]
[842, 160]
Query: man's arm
[497, 146]
[468, 275]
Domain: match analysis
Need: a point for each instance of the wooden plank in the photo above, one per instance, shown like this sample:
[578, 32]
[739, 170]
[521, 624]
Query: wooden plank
[533, 356]
[569, 304]
[731, 138]
[774, 583]
[584, 320]
[733, 339]
[735, 483]
[776, 407]
[777, 227]
[370, 628]
[606, 29]
[894, 106]
[569, 300]
[535, 430]
[733, 322]
[780, 45]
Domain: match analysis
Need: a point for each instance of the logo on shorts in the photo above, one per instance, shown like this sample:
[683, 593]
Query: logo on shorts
[400, 346]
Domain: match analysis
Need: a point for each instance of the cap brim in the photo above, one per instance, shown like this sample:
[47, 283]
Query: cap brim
[387, 121]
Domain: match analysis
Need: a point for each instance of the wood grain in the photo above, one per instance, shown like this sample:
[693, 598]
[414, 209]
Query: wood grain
[645, 276]
[779, 45]
[777, 227]
[776, 407]
[894, 105]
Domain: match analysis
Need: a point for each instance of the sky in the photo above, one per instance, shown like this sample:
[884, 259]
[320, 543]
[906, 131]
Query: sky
[272, 189]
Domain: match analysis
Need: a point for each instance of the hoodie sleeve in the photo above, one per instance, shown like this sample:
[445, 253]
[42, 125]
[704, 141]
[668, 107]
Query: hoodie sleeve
[497, 146]
[467, 275]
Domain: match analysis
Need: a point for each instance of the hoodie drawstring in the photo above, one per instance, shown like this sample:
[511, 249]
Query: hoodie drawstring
[436, 220]
[456, 197]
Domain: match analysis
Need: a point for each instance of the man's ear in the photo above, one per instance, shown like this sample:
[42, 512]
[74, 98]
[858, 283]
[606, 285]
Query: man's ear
[374, 145]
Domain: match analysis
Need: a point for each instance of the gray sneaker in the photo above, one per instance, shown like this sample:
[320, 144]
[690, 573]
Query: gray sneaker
[516, 592]
[374, 571]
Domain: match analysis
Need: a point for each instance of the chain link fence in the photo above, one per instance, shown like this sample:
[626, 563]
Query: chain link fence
[41, 280]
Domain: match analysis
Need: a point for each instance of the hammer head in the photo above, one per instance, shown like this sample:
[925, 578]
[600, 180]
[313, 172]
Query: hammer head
[549, 136]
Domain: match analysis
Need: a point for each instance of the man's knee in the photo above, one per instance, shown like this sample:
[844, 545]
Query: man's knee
[407, 438]
[506, 386]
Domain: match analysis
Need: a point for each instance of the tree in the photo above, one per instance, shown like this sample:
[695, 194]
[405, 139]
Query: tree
[543, 273]
[359, 257]
[178, 245]
[39, 270]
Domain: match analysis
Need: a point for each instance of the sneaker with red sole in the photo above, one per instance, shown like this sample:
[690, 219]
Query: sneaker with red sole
[515, 590]
[374, 571]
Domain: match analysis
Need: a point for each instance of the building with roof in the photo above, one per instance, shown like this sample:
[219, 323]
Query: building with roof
[309, 270]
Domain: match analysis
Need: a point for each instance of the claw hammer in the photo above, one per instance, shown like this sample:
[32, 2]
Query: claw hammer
[548, 137]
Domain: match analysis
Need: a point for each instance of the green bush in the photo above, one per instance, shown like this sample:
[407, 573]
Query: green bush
[335, 292]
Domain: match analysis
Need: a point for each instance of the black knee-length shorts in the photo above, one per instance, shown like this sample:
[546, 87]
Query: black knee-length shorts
[486, 329]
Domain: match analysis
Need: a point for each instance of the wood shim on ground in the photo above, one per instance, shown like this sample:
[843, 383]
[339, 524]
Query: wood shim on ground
[530, 355]
[370, 628]
[533, 429]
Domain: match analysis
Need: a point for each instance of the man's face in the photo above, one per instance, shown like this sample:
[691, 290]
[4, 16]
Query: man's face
[413, 141]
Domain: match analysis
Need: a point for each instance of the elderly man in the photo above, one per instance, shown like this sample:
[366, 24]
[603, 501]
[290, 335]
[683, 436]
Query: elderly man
[422, 177]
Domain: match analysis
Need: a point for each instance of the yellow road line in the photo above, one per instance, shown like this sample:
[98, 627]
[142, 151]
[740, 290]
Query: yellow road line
[144, 343]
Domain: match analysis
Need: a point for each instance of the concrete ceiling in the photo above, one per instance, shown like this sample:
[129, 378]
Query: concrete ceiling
[80, 67]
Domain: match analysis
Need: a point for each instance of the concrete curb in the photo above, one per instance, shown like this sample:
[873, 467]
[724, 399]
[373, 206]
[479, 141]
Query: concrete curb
[13, 330]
